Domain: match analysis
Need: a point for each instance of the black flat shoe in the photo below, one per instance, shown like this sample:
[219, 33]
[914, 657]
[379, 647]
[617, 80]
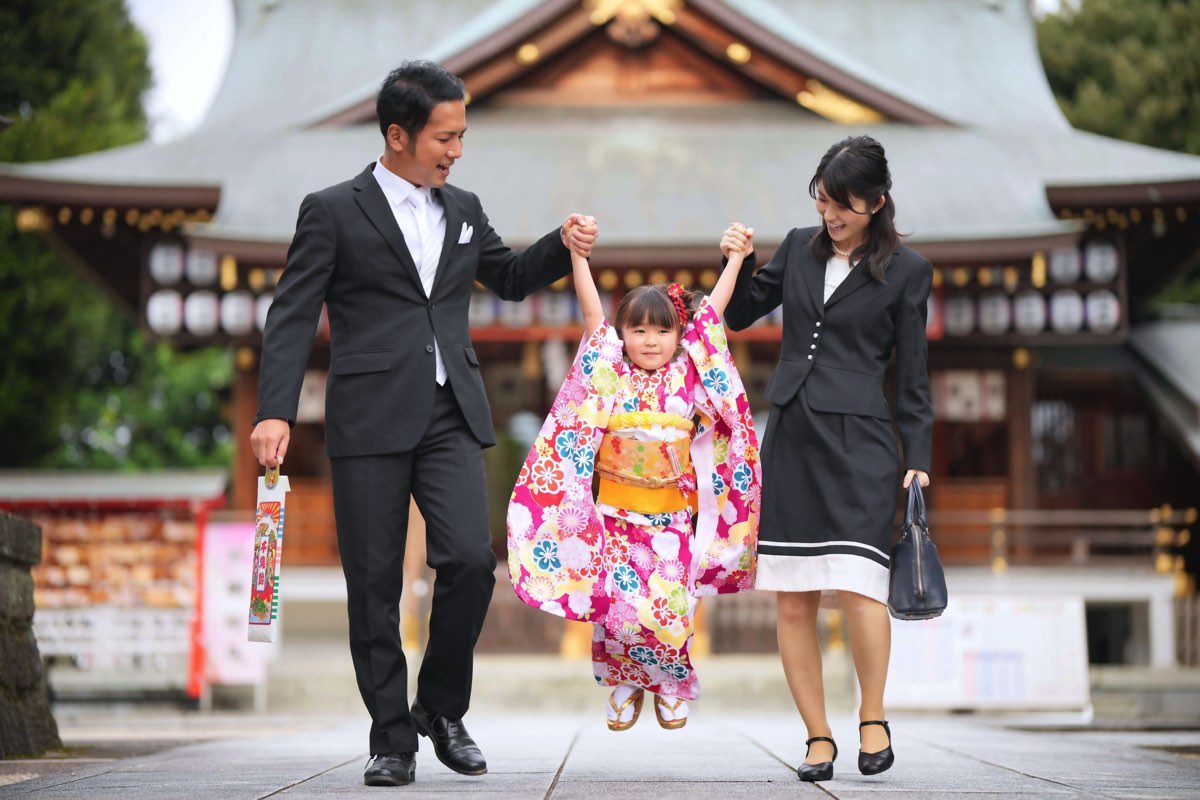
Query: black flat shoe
[875, 763]
[452, 745]
[817, 772]
[391, 769]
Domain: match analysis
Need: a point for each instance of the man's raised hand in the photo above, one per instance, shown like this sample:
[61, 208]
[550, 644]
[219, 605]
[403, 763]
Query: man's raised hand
[579, 233]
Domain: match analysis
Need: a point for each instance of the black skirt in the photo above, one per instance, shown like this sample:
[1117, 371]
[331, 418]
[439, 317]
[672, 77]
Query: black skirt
[830, 488]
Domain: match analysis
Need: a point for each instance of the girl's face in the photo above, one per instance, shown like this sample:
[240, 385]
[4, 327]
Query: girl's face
[649, 346]
[847, 226]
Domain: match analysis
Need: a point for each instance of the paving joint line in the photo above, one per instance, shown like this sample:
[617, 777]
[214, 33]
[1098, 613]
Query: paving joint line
[283, 789]
[53, 785]
[791, 769]
[1017, 771]
[563, 765]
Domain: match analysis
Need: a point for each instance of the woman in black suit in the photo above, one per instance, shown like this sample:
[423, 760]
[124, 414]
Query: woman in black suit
[851, 295]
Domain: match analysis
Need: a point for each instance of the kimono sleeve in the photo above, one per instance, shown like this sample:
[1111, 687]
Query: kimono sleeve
[555, 533]
[725, 455]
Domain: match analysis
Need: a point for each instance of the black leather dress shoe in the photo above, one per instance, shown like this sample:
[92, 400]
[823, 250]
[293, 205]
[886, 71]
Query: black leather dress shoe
[817, 772]
[875, 763]
[391, 769]
[452, 744]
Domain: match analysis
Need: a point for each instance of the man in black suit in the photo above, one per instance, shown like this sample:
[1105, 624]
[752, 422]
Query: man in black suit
[393, 254]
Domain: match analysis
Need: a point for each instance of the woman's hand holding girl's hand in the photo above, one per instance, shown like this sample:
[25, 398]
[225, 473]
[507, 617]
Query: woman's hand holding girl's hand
[920, 475]
[737, 239]
[736, 244]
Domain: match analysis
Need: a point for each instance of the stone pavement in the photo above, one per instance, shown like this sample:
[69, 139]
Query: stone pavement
[573, 755]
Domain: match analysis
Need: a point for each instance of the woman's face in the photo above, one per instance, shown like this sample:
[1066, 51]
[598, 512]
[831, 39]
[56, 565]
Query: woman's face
[847, 226]
[650, 346]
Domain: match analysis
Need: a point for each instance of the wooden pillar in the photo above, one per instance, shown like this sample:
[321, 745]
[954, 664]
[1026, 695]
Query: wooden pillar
[1022, 471]
[245, 406]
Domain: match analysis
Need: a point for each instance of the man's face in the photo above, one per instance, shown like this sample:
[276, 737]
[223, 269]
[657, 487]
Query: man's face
[426, 159]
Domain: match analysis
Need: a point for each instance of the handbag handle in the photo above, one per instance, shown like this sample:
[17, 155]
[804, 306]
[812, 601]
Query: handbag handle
[914, 509]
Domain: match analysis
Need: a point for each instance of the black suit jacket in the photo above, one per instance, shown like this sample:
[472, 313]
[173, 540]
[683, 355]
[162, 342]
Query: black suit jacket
[349, 253]
[840, 350]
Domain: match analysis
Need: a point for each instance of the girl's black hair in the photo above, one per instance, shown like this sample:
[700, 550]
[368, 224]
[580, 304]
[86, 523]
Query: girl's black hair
[652, 305]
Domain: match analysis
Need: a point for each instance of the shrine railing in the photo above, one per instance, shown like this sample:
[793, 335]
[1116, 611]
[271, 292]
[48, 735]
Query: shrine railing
[1065, 537]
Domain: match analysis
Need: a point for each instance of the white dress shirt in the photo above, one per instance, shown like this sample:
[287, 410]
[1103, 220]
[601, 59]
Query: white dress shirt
[422, 220]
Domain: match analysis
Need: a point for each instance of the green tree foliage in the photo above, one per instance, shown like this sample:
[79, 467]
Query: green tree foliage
[81, 385]
[1130, 70]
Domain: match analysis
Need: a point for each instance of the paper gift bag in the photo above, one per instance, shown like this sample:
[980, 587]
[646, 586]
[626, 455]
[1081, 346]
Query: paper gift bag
[268, 552]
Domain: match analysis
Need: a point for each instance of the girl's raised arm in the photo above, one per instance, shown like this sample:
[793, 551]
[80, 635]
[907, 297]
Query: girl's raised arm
[585, 292]
[736, 244]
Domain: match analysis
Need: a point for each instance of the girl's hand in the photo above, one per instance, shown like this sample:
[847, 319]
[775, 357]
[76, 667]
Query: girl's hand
[737, 239]
[579, 233]
[920, 475]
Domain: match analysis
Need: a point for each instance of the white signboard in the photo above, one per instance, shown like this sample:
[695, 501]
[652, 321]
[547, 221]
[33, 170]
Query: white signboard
[231, 659]
[993, 652]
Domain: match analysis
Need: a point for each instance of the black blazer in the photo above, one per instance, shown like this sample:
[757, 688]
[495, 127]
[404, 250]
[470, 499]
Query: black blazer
[840, 349]
[349, 253]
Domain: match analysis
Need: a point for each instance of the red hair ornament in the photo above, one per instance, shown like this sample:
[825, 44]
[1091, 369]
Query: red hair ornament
[675, 292]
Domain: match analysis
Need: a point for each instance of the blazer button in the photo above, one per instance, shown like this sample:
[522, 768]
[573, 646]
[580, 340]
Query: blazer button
[812, 347]
[428, 348]
[818, 324]
[816, 335]
[810, 356]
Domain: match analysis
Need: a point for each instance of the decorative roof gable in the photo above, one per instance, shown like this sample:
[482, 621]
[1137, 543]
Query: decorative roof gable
[643, 52]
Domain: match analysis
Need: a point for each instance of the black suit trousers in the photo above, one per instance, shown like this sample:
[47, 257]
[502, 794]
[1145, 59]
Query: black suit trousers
[444, 474]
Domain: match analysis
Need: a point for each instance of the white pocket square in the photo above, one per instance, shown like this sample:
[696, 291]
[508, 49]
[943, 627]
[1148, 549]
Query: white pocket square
[465, 236]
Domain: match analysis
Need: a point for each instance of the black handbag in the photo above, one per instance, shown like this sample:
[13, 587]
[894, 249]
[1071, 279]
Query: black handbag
[916, 582]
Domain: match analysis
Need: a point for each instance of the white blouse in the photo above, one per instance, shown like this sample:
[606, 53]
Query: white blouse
[836, 270]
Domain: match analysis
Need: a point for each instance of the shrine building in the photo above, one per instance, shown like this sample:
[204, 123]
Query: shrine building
[1067, 415]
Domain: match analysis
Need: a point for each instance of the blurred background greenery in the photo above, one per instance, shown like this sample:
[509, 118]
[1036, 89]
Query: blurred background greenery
[83, 386]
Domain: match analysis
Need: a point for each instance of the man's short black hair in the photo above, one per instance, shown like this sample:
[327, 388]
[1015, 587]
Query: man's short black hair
[410, 93]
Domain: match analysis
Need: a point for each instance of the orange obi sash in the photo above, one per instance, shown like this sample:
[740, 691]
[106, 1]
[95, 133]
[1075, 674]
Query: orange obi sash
[643, 476]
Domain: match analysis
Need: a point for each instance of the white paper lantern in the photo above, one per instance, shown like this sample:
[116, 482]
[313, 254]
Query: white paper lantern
[517, 314]
[164, 312]
[1065, 265]
[166, 263]
[555, 308]
[237, 313]
[1066, 311]
[959, 315]
[1029, 312]
[200, 313]
[1103, 311]
[995, 313]
[201, 267]
[1100, 261]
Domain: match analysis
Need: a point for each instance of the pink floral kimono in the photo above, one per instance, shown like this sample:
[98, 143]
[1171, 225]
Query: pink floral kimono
[637, 575]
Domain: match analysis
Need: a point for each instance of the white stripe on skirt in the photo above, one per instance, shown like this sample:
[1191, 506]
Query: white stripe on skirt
[813, 573]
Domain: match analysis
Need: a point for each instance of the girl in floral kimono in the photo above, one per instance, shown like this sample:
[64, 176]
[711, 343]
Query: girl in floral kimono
[654, 409]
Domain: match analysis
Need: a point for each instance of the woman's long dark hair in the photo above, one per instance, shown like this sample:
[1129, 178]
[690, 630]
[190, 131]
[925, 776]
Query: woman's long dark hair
[856, 166]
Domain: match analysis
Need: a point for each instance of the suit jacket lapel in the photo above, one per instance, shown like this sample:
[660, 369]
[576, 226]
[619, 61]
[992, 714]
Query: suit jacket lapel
[455, 217]
[814, 279]
[371, 200]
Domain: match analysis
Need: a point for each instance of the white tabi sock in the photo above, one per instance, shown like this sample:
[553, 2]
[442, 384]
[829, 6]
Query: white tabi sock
[619, 696]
